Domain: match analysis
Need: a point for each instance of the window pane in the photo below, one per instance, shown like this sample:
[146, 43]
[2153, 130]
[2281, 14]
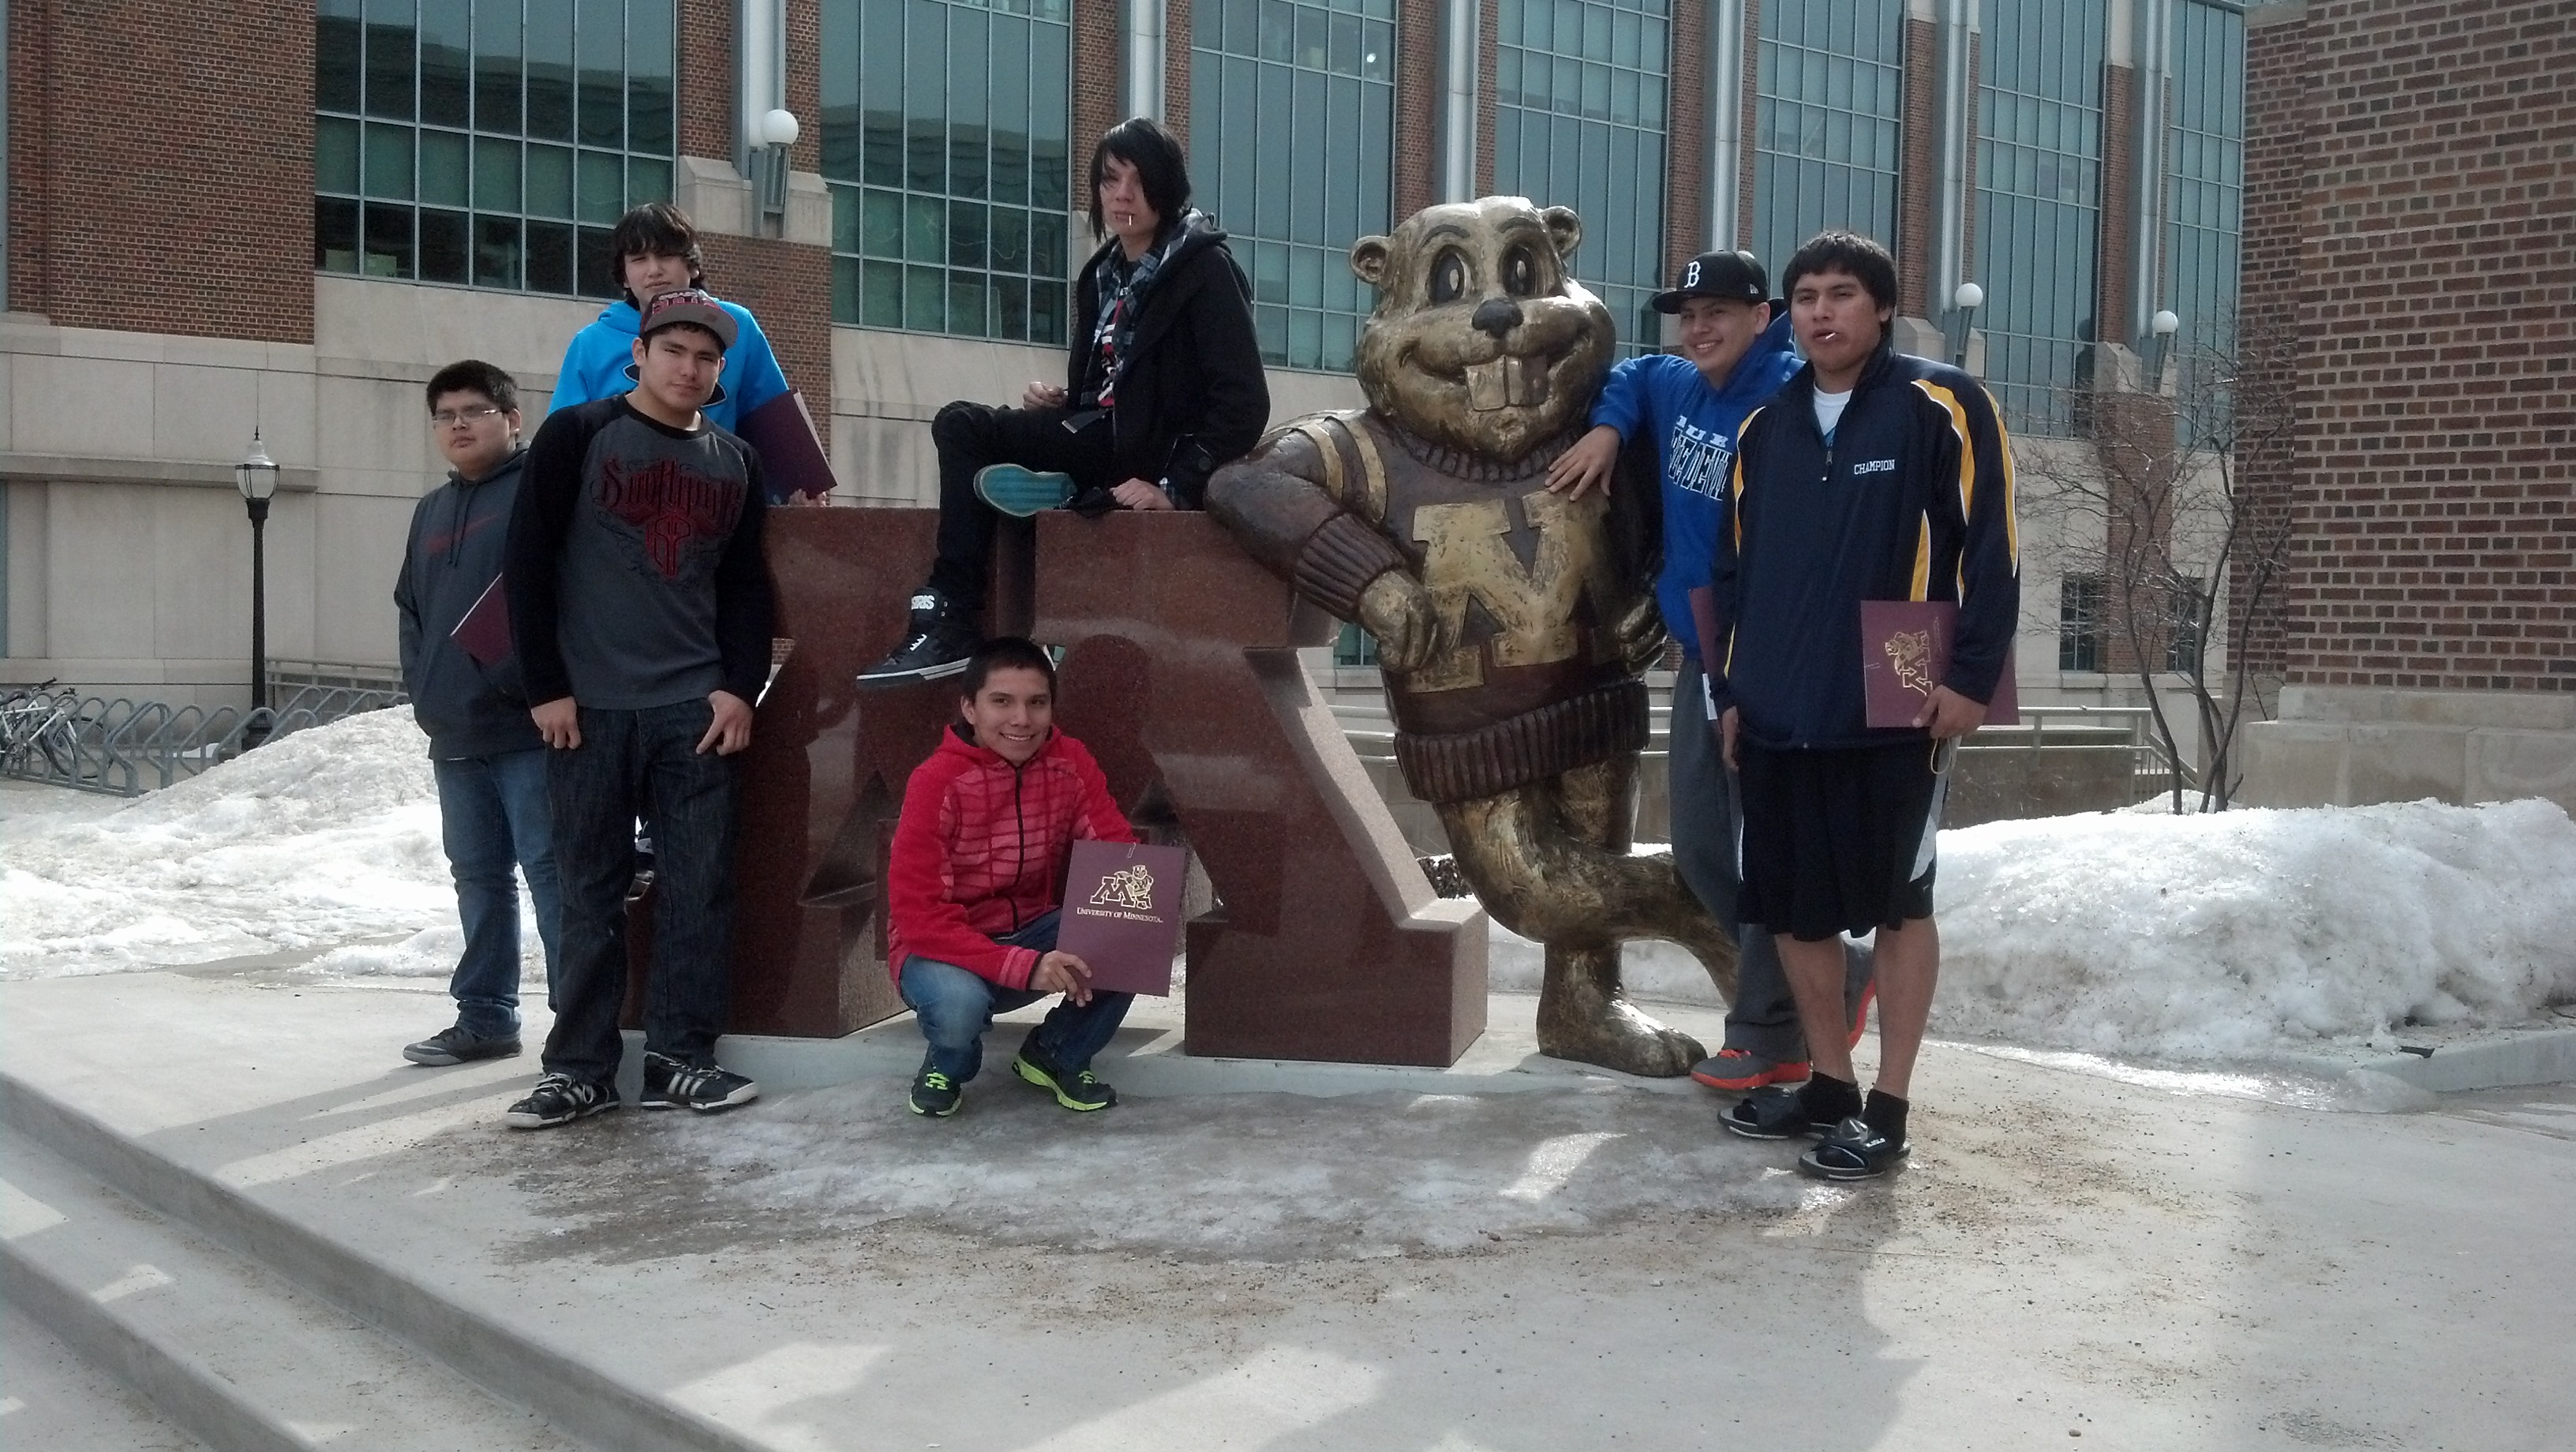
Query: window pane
[388, 161]
[443, 253]
[603, 186]
[650, 56]
[391, 59]
[496, 67]
[496, 175]
[600, 41]
[387, 243]
[549, 256]
[335, 234]
[496, 252]
[335, 155]
[550, 75]
[445, 90]
[339, 50]
[594, 276]
[549, 181]
[648, 179]
[442, 168]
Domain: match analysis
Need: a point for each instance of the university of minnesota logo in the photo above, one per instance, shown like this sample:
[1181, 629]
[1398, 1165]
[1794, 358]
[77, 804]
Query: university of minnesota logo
[1131, 888]
[1909, 653]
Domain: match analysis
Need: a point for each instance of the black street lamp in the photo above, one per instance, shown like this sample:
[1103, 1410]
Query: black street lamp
[256, 477]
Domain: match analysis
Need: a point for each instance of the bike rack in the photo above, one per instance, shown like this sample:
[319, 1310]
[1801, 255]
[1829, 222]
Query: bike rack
[123, 747]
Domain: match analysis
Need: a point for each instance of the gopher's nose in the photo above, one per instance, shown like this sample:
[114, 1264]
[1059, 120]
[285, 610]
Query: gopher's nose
[1496, 315]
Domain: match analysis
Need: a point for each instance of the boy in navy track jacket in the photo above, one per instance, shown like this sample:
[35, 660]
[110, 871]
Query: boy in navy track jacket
[1735, 353]
[1870, 476]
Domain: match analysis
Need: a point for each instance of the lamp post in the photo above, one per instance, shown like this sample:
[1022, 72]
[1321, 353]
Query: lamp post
[256, 477]
[778, 131]
[2160, 331]
[1965, 303]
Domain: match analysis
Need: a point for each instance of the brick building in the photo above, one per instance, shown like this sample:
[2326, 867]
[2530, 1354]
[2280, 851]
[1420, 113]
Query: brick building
[287, 222]
[2410, 231]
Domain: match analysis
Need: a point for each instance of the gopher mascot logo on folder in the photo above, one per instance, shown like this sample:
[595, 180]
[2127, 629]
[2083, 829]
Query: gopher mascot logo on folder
[1511, 623]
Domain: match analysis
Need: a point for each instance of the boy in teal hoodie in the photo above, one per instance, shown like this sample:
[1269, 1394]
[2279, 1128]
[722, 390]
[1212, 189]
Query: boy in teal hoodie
[654, 250]
[1735, 353]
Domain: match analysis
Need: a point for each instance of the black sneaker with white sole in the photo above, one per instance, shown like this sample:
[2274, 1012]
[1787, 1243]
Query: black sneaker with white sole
[936, 643]
[670, 1084]
[455, 1046]
[559, 1099]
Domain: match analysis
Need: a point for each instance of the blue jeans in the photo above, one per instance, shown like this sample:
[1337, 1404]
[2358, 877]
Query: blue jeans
[956, 1006]
[630, 764]
[493, 820]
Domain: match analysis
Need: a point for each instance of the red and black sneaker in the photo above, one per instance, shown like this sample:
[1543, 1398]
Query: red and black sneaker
[1742, 1071]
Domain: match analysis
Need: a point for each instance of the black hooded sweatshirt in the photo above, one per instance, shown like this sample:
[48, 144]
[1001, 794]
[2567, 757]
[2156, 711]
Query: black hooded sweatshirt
[458, 532]
[1193, 395]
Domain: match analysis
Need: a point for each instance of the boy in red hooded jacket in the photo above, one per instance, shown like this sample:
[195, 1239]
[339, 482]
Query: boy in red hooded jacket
[976, 880]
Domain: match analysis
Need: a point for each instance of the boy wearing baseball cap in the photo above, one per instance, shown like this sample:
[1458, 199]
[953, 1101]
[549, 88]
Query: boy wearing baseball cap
[1734, 353]
[640, 606]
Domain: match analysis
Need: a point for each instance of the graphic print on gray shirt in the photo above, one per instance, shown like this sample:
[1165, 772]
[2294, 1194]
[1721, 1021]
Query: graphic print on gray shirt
[635, 571]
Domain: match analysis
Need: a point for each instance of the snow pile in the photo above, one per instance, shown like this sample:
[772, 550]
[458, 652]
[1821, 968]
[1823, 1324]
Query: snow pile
[2207, 937]
[1251, 1176]
[317, 838]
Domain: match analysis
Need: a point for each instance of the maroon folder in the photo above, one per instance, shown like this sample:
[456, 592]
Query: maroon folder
[484, 632]
[1905, 651]
[792, 458]
[1122, 913]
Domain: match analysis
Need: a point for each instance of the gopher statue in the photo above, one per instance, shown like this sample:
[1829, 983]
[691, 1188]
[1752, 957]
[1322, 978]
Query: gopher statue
[1511, 628]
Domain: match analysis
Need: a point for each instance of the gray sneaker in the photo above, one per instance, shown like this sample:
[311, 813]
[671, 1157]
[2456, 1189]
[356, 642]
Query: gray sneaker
[456, 1046]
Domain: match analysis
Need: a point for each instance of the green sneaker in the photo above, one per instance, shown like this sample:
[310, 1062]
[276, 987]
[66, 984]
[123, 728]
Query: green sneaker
[934, 1094]
[1075, 1089]
[1022, 492]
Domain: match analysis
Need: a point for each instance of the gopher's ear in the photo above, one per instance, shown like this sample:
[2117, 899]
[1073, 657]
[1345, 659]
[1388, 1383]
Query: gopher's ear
[1565, 228]
[1368, 260]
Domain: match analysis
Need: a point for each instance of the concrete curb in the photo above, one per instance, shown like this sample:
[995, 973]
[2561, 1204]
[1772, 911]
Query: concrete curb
[580, 1399]
[177, 1384]
[2545, 1057]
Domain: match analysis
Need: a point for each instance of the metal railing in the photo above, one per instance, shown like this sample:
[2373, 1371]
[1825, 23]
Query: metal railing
[2154, 766]
[123, 747]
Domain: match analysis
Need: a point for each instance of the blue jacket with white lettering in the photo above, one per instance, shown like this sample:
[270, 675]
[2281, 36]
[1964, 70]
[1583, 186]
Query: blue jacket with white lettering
[1910, 499]
[1666, 399]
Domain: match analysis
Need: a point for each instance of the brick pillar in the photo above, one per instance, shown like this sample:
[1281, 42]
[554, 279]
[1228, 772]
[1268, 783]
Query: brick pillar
[1176, 70]
[1417, 105]
[2118, 244]
[1749, 141]
[1918, 170]
[1097, 67]
[1489, 19]
[2280, 107]
[161, 167]
[1686, 176]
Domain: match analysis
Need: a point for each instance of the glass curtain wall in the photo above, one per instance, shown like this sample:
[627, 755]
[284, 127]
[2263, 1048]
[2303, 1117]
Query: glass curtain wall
[2208, 191]
[1827, 109]
[492, 142]
[2039, 203]
[945, 126]
[1292, 119]
[1579, 121]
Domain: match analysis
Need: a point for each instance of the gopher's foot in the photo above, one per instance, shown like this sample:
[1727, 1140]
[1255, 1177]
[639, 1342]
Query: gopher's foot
[1576, 1022]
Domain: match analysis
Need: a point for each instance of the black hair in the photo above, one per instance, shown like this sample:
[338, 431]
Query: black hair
[473, 375]
[1850, 252]
[657, 228]
[1160, 164]
[1005, 653]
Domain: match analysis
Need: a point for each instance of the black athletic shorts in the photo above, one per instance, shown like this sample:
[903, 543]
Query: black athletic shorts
[1837, 841]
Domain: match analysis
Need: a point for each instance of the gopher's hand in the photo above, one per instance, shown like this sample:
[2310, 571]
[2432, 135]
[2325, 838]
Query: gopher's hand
[1639, 635]
[1400, 614]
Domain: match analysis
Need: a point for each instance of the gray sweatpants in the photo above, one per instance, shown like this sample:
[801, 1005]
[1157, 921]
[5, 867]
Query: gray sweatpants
[1763, 1020]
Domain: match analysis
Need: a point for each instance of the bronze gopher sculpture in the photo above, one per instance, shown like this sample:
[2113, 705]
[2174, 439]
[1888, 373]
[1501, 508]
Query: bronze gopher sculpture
[1510, 624]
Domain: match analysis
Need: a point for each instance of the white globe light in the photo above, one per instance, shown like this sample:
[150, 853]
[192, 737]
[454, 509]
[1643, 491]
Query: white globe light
[1969, 295]
[779, 128]
[2165, 323]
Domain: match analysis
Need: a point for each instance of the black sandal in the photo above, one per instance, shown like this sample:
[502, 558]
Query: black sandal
[1854, 1151]
[1773, 1113]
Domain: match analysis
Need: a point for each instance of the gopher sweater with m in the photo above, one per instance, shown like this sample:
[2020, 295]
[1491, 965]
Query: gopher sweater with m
[635, 573]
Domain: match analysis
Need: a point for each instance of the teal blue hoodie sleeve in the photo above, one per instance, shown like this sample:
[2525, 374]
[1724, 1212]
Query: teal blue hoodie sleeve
[752, 376]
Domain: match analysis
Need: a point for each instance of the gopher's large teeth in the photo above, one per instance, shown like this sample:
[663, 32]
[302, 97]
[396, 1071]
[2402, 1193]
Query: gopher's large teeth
[1489, 385]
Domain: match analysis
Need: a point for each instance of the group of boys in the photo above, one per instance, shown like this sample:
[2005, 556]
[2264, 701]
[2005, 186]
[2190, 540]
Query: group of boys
[628, 537]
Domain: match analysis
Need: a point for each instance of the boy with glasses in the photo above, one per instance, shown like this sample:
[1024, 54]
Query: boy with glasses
[485, 754]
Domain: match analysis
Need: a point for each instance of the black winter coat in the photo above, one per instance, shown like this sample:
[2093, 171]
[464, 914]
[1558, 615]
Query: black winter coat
[1193, 395]
[458, 534]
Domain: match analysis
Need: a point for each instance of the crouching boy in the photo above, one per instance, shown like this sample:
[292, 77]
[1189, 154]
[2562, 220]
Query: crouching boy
[976, 880]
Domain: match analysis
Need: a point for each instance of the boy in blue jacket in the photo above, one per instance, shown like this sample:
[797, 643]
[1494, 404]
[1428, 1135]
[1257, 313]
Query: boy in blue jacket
[1734, 354]
[655, 250]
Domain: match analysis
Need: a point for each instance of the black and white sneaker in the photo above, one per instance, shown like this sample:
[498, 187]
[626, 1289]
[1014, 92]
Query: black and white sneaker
[455, 1046]
[670, 1084]
[936, 643]
[559, 1099]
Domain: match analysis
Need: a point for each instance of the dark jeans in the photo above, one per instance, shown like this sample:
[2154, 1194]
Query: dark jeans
[956, 1006]
[493, 820]
[645, 763]
[1763, 1019]
[970, 436]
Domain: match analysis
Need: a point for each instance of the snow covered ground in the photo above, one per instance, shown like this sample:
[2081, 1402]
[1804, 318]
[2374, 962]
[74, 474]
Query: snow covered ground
[2190, 939]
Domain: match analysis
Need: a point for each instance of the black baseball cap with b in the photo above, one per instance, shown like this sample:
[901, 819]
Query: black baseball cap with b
[1736, 275]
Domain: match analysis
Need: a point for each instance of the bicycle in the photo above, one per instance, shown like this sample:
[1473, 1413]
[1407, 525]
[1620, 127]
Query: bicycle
[40, 721]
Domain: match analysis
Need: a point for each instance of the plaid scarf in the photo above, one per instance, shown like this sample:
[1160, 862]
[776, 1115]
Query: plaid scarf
[1121, 286]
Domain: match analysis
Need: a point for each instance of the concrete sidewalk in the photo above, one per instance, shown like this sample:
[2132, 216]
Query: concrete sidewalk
[1414, 1262]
